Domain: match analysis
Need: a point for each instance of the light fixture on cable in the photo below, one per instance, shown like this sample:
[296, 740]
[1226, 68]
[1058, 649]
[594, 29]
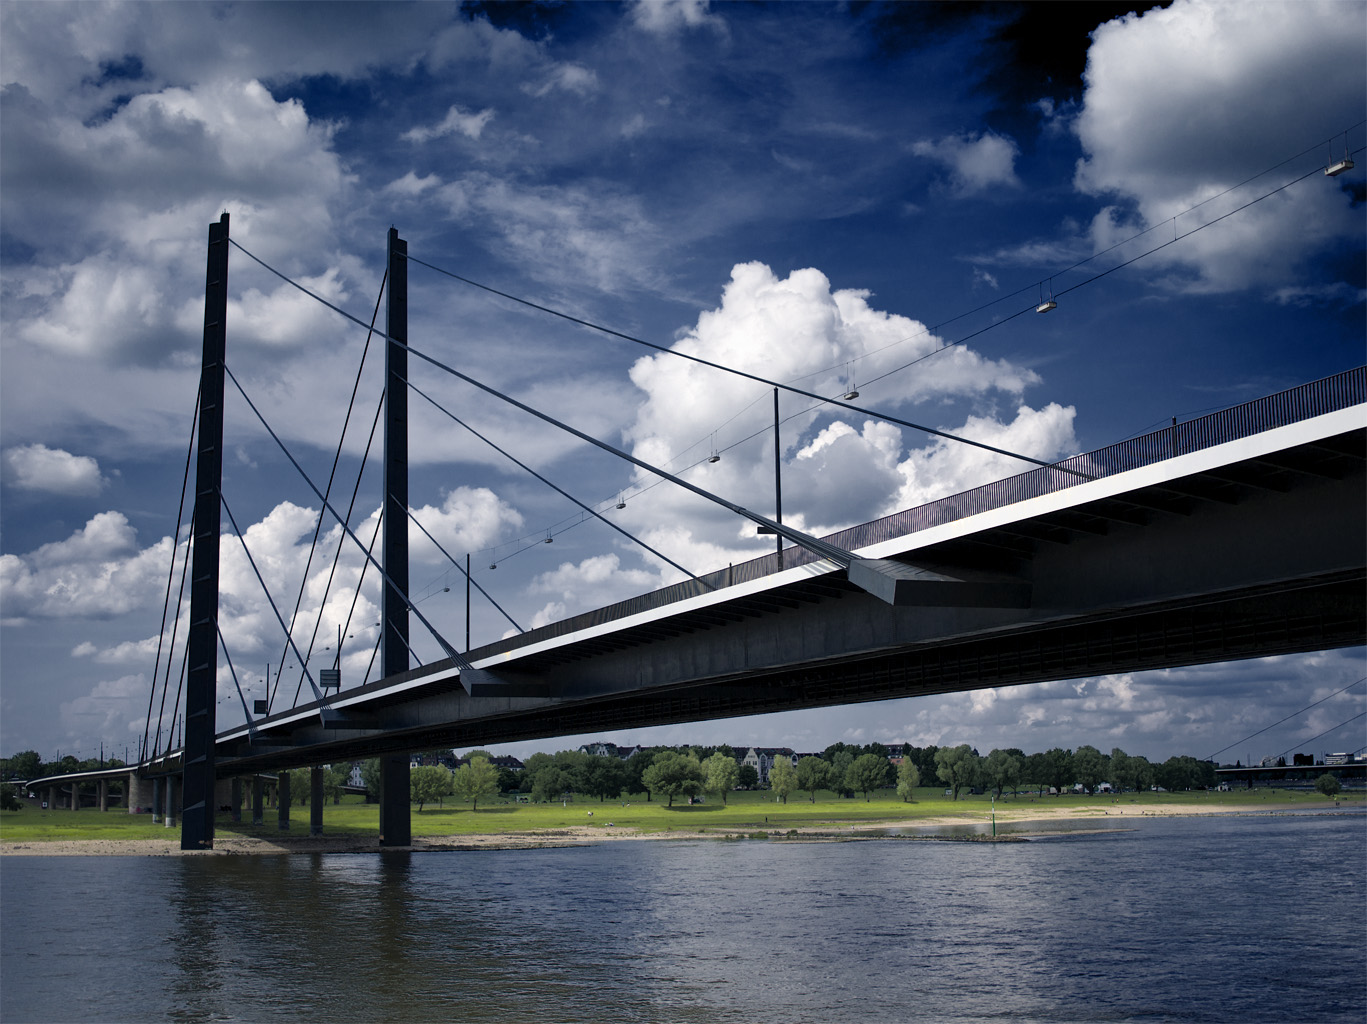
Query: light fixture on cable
[1346, 164]
[716, 453]
[853, 392]
[1046, 304]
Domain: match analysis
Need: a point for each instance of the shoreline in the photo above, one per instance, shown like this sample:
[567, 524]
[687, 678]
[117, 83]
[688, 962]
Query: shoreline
[918, 829]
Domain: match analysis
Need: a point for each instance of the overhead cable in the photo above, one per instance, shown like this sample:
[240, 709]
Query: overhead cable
[559, 490]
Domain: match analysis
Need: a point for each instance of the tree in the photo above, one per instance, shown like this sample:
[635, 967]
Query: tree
[335, 776]
[908, 778]
[474, 779]
[840, 767]
[1089, 764]
[957, 767]
[674, 775]
[550, 782]
[813, 773]
[1035, 772]
[636, 768]
[1327, 784]
[782, 776]
[9, 799]
[26, 765]
[1060, 768]
[1002, 769]
[604, 777]
[720, 774]
[748, 777]
[370, 777]
[428, 782]
[866, 773]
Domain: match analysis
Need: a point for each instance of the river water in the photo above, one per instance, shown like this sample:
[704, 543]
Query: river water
[1220, 919]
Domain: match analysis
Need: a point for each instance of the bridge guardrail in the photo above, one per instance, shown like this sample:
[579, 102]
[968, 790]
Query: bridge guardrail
[1331, 394]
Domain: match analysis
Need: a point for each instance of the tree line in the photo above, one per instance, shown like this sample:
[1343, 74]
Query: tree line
[690, 772]
[687, 772]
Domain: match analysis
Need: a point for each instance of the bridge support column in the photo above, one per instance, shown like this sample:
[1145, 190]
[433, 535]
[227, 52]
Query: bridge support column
[258, 804]
[75, 796]
[139, 792]
[172, 791]
[316, 801]
[103, 786]
[158, 799]
[396, 827]
[283, 801]
[52, 798]
[235, 800]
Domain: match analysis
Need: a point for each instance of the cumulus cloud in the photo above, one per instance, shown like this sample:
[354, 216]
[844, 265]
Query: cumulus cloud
[36, 467]
[838, 467]
[1184, 102]
[457, 121]
[591, 583]
[97, 572]
[976, 163]
[468, 519]
[663, 17]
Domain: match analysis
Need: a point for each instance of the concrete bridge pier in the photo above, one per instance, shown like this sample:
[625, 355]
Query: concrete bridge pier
[316, 800]
[158, 799]
[52, 798]
[235, 801]
[258, 801]
[170, 788]
[140, 793]
[283, 809]
[75, 796]
[104, 794]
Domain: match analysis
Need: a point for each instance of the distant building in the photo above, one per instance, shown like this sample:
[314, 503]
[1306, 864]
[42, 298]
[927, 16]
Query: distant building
[1336, 758]
[601, 749]
[762, 759]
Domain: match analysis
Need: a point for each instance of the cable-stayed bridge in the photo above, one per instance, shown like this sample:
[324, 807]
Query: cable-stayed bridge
[1236, 535]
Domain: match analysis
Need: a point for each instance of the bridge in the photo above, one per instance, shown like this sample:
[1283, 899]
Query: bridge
[1240, 534]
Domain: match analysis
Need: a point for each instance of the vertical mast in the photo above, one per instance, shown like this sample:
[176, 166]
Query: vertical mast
[395, 828]
[201, 683]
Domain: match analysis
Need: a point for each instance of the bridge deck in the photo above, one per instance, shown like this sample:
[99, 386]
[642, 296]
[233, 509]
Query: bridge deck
[1046, 575]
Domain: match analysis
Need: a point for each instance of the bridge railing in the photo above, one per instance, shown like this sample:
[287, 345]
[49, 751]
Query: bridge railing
[1341, 391]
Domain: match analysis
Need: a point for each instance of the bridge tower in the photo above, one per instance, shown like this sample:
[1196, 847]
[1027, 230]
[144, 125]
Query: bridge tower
[395, 823]
[201, 681]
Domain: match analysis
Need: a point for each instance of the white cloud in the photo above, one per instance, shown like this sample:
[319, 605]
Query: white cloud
[36, 467]
[1184, 102]
[457, 121]
[836, 472]
[593, 582]
[976, 163]
[573, 78]
[97, 572]
[469, 519]
[949, 467]
[109, 710]
[662, 17]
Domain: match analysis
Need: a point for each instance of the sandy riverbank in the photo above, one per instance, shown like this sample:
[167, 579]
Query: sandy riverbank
[226, 845]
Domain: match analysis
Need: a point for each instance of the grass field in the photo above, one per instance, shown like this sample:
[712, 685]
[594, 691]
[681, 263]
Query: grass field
[744, 811]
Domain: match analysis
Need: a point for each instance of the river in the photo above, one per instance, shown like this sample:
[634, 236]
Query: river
[1242, 918]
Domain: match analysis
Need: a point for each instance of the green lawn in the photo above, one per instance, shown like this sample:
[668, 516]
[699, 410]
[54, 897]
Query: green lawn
[743, 812]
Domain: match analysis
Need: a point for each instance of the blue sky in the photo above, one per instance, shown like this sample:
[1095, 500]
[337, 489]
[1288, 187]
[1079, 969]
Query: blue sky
[812, 192]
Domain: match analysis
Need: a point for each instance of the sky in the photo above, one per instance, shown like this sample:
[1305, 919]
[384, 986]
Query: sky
[823, 194]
